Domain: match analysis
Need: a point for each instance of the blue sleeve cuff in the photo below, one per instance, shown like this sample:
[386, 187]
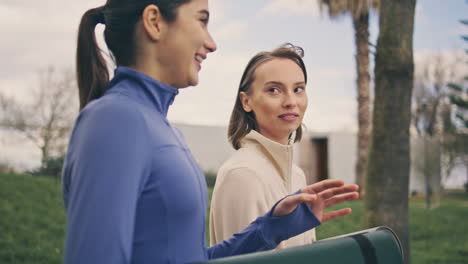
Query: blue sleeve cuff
[278, 228]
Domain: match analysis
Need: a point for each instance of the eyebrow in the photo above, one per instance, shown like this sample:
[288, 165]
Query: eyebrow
[280, 83]
[274, 82]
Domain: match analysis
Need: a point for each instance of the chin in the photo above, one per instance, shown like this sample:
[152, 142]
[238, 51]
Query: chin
[193, 80]
[190, 82]
[193, 83]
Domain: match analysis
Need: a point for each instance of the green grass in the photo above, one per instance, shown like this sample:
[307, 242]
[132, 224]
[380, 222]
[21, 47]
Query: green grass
[32, 223]
[437, 235]
[440, 235]
[32, 220]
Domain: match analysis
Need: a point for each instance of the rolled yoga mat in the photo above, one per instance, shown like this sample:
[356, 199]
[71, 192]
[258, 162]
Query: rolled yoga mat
[378, 245]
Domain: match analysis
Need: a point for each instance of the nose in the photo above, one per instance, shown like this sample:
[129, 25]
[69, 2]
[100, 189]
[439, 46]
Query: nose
[210, 44]
[290, 100]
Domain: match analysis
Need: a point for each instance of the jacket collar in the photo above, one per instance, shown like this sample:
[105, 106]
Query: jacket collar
[280, 155]
[143, 88]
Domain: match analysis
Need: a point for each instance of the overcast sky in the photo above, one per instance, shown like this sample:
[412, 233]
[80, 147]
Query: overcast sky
[38, 34]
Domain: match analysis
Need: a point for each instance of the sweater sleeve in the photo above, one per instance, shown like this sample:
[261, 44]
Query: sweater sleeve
[238, 199]
[103, 175]
[266, 232]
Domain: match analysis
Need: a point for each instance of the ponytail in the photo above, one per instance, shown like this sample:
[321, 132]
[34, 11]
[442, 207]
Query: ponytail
[120, 18]
[91, 68]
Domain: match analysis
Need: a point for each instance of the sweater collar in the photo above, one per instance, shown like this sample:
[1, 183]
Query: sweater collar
[143, 88]
[280, 155]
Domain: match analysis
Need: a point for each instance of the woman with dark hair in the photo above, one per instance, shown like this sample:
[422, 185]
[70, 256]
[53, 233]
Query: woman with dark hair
[265, 122]
[132, 191]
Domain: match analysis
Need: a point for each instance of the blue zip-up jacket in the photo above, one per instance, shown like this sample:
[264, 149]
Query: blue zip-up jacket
[133, 192]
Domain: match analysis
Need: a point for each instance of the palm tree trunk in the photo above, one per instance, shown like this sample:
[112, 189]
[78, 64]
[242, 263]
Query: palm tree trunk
[386, 201]
[361, 29]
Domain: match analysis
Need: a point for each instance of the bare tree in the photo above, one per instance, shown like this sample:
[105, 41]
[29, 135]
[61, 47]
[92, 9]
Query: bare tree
[47, 118]
[432, 75]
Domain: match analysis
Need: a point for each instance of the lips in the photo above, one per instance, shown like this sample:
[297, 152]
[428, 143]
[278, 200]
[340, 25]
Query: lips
[289, 116]
[199, 59]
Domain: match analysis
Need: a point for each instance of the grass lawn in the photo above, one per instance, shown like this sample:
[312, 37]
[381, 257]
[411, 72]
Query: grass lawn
[32, 220]
[32, 224]
[437, 235]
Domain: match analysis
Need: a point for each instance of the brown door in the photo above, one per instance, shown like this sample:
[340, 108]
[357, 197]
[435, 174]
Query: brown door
[320, 146]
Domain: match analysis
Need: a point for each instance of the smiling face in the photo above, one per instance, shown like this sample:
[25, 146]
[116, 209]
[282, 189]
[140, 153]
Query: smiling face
[277, 97]
[185, 45]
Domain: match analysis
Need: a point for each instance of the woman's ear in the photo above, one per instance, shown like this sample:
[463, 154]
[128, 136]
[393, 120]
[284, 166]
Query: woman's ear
[244, 98]
[153, 22]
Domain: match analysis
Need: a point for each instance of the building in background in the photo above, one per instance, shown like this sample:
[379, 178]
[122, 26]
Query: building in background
[208, 144]
[321, 155]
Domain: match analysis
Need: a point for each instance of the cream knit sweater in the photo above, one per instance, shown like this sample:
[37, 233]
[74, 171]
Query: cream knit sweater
[248, 184]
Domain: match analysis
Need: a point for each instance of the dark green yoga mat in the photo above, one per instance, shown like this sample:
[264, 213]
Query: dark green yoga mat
[378, 245]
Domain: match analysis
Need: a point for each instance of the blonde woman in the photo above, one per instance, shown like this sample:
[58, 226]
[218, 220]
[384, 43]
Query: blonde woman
[266, 121]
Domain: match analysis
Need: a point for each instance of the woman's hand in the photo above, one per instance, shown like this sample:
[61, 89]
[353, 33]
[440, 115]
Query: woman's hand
[320, 196]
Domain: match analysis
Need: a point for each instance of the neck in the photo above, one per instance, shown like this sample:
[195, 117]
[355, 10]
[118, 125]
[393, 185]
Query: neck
[151, 70]
[146, 61]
